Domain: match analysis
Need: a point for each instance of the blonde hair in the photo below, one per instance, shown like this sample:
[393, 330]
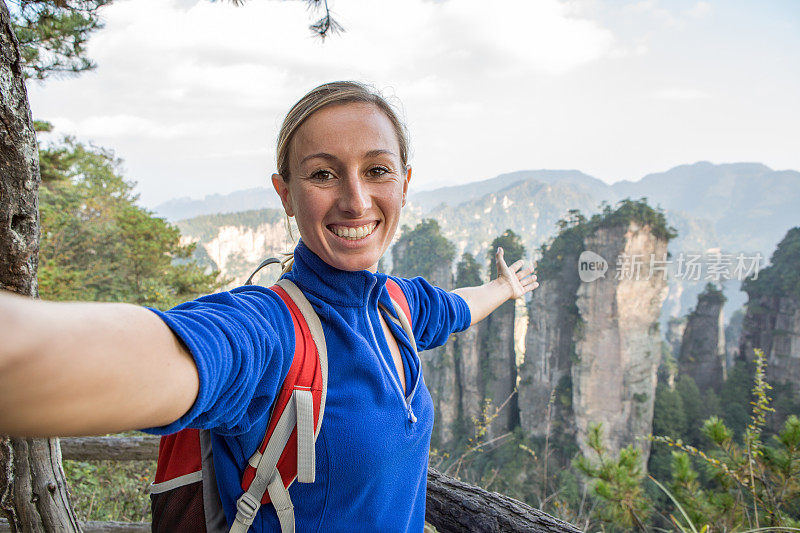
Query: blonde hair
[328, 94]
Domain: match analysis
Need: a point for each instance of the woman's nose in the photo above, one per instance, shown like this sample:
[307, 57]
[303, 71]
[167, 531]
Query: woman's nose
[354, 198]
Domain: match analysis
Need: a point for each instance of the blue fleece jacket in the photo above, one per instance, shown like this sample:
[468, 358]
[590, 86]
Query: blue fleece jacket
[372, 451]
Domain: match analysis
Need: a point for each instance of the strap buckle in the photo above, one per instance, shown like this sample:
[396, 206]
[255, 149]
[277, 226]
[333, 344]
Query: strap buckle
[247, 506]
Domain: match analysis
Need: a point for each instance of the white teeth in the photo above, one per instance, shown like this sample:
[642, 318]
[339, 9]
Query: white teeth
[354, 233]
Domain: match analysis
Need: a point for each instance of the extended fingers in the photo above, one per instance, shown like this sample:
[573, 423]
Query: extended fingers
[525, 272]
[514, 267]
[527, 279]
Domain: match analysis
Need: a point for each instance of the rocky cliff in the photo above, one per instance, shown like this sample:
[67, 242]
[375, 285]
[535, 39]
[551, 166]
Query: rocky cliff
[498, 372]
[549, 351]
[702, 353]
[468, 351]
[618, 348]
[674, 334]
[236, 243]
[593, 346]
[772, 321]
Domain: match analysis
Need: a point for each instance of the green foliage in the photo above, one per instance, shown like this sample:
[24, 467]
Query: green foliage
[110, 490]
[513, 250]
[568, 244]
[782, 277]
[669, 418]
[735, 397]
[697, 407]
[712, 293]
[574, 228]
[422, 250]
[627, 211]
[617, 482]
[52, 34]
[468, 272]
[98, 245]
[751, 483]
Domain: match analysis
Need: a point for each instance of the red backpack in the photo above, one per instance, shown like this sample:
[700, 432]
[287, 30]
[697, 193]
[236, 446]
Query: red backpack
[185, 495]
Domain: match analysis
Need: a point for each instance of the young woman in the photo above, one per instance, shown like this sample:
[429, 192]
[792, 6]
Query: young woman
[218, 362]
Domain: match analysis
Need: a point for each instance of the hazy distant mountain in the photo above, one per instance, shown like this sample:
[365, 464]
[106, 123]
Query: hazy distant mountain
[750, 205]
[246, 200]
[458, 194]
[530, 207]
[738, 207]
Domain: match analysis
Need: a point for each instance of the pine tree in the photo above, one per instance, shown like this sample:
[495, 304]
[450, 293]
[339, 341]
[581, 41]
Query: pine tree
[98, 245]
[52, 34]
[513, 250]
[422, 251]
[468, 272]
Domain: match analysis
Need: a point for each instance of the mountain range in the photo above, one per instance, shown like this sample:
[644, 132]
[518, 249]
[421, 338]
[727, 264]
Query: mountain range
[736, 207]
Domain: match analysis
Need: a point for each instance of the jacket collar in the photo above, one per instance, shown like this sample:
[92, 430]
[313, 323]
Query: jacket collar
[339, 287]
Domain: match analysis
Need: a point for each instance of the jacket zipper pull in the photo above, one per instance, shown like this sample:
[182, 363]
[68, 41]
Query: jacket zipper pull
[411, 416]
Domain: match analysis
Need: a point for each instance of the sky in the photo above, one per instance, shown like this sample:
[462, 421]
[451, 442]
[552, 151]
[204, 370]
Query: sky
[190, 94]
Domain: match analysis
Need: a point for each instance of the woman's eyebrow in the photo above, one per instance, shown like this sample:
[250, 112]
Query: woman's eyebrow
[331, 157]
[374, 153]
[321, 155]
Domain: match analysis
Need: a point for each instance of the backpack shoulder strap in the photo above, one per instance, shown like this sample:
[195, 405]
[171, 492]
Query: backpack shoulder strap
[401, 310]
[398, 297]
[287, 451]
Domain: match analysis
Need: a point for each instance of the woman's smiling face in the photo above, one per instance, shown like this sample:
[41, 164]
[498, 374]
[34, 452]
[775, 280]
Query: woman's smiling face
[346, 184]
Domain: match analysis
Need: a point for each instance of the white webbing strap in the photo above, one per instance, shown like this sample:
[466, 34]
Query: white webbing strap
[282, 502]
[299, 412]
[249, 503]
[315, 327]
[306, 461]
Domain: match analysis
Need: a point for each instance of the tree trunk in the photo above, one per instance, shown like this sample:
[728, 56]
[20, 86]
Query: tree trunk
[110, 448]
[455, 506]
[33, 491]
[452, 505]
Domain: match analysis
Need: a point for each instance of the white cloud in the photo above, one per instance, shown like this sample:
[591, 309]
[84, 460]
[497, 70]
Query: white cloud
[111, 126]
[654, 9]
[680, 94]
[700, 9]
[191, 92]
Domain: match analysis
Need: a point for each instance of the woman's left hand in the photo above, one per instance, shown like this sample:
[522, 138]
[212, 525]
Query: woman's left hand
[519, 280]
[511, 282]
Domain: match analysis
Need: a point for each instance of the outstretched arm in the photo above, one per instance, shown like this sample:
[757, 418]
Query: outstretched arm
[512, 282]
[89, 368]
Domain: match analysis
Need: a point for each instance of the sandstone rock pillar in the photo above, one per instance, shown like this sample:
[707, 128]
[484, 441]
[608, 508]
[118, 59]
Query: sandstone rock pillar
[702, 354]
[618, 349]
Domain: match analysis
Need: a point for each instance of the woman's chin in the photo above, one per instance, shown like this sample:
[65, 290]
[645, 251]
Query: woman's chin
[352, 254]
[354, 264]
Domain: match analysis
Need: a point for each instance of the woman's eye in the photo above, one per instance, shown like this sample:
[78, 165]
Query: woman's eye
[322, 175]
[376, 172]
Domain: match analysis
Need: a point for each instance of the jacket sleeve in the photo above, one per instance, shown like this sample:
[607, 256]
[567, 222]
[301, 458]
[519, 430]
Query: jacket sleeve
[435, 313]
[242, 343]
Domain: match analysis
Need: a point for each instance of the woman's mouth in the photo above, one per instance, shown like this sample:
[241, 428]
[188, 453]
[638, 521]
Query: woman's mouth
[353, 233]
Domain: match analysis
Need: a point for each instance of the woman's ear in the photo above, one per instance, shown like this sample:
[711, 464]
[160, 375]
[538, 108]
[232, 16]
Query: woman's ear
[405, 183]
[282, 188]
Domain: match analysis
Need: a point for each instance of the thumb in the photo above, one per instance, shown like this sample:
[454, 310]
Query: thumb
[499, 261]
